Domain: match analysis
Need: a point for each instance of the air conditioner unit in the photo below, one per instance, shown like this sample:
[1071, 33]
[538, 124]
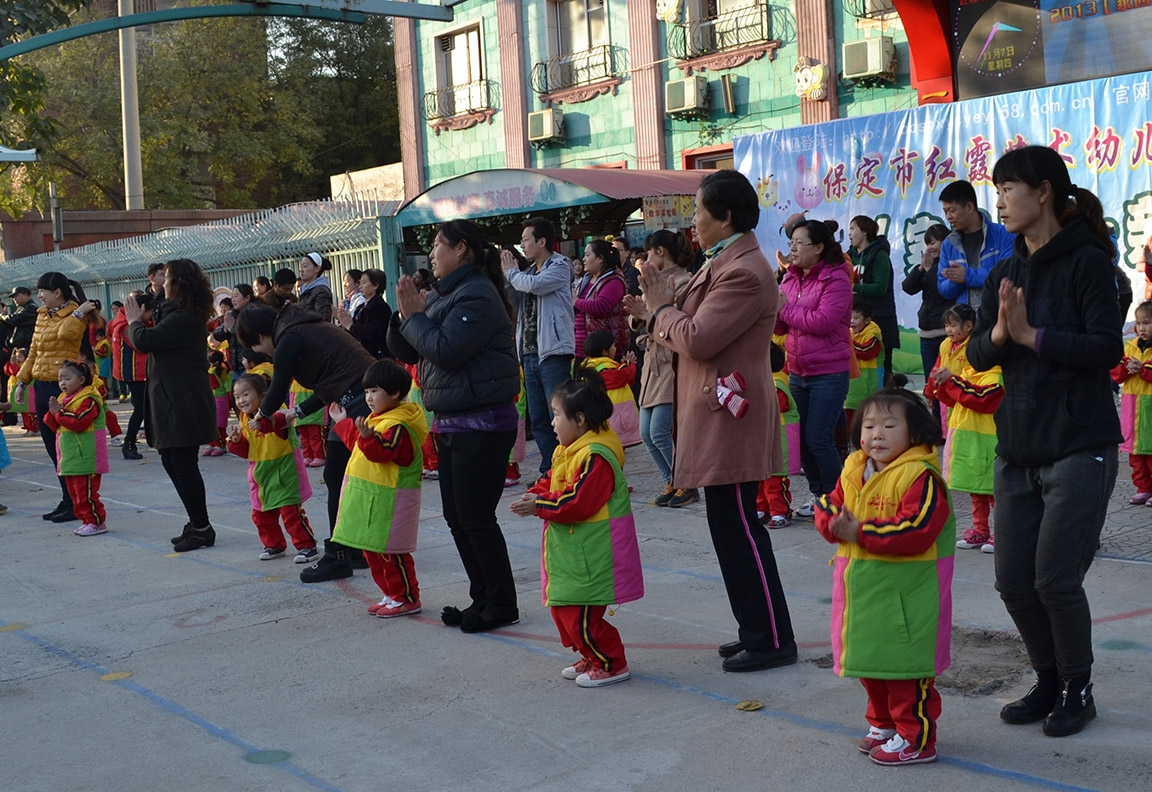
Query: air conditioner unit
[689, 95]
[870, 57]
[546, 125]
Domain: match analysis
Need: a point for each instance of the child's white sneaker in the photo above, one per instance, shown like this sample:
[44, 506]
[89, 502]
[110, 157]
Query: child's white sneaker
[874, 739]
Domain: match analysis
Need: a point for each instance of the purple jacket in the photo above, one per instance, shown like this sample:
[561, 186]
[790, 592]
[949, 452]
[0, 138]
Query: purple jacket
[600, 306]
[817, 318]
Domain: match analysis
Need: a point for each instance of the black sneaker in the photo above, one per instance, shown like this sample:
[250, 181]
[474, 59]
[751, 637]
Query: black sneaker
[195, 539]
[183, 534]
[333, 565]
[683, 497]
[668, 494]
[64, 515]
[474, 623]
[63, 507]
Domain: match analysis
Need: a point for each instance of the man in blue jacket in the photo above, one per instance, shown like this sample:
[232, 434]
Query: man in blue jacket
[545, 325]
[973, 247]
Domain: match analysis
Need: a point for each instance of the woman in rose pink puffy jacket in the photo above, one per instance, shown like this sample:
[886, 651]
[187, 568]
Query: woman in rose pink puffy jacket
[816, 312]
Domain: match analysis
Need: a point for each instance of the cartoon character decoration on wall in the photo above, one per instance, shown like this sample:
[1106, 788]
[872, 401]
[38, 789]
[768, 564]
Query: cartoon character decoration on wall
[809, 191]
[811, 79]
[668, 11]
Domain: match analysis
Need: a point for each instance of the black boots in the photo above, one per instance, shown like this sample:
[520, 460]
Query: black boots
[61, 514]
[1075, 709]
[333, 565]
[129, 450]
[1037, 703]
[194, 539]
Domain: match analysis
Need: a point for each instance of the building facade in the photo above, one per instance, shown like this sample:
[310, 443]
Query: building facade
[636, 83]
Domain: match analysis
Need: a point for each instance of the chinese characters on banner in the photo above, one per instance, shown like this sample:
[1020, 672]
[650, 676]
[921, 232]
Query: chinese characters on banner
[892, 166]
[668, 211]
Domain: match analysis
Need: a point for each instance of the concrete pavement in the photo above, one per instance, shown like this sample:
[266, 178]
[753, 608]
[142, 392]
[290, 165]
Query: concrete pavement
[126, 667]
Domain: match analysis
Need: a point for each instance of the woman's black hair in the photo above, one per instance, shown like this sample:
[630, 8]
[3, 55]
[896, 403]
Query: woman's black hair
[378, 278]
[389, 376]
[216, 362]
[254, 320]
[960, 312]
[263, 281]
[586, 395]
[937, 232]
[145, 301]
[728, 193]
[226, 301]
[258, 383]
[484, 256]
[354, 274]
[869, 226]
[598, 342]
[284, 277]
[70, 290]
[193, 292]
[80, 367]
[677, 243]
[1146, 307]
[245, 290]
[777, 358]
[923, 426]
[1034, 165]
[604, 249]
[325, 264]
[820, 234]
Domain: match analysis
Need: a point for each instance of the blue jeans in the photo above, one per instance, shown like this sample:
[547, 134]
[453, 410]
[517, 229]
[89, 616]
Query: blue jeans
[820, 401]
[541, 377]
[656, 432]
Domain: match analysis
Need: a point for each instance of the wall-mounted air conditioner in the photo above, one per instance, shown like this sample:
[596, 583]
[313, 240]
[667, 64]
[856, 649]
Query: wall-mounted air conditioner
[870, 57]
[545, 126]
[689, 95]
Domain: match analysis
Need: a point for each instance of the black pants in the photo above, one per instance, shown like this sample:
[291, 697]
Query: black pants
[183, 466]
[336, 456]
[748, 566]
[137, 390]
[45, 390]
[1048, 523]
[472, 468]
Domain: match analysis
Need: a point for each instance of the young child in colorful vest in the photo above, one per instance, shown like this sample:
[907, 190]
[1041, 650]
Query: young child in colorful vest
[220, 377]
[774, 498]
[600, 356]
[590, 558]
[959, 320]
[380, 498]
[971, 397]
[276, 475]
[310, 427]
[111, 422]
[1134, 375]
[867, 347]
[23, 408]
[430, 447]
[77, 418]
[102, 351]
[892, 576]
[520, 447]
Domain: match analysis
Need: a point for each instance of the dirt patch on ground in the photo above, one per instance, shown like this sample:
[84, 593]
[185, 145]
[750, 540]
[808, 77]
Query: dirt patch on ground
[983, 661]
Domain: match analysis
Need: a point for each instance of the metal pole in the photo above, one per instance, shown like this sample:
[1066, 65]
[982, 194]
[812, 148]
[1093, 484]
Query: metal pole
[130, 107]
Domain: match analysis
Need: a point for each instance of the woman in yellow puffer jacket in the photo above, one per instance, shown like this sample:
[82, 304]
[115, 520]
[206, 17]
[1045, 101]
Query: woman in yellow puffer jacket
[60, 328]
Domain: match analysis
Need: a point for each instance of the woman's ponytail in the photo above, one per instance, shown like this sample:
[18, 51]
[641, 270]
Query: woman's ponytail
[1086, 205]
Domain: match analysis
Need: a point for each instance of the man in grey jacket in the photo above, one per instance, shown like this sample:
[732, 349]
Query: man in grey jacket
[545, 325]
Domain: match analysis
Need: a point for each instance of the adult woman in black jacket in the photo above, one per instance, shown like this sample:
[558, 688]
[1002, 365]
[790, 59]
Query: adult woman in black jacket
[324, 359]
[179, 408]
[1050, 319]
[369, 323]
[464, 341]
[922, 278]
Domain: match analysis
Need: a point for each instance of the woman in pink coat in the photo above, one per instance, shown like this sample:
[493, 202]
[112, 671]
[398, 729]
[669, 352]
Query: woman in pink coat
[720, 325]
[816, 313]
[598, 301]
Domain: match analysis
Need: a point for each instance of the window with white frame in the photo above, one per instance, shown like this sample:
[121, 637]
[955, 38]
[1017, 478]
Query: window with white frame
[578, 33]
[717, 25]
[460, 73]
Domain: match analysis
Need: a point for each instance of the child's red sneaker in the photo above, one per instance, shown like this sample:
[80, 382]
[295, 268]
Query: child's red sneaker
[598, 677]
[874, 739]
[899, 751]
[394, 609]
[581, 666]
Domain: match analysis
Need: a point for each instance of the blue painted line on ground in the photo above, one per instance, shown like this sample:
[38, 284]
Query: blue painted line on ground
[172, 708]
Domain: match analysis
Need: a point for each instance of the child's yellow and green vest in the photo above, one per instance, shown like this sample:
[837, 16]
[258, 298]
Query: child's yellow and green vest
[380, 503]
[970, 448]
[28, 403]
[597, 561]
[891, 614]
[1136, 404]
[276, 474]
[83, 453]
[625, 414]
[297, 395]
[787, 419]
[860, 388]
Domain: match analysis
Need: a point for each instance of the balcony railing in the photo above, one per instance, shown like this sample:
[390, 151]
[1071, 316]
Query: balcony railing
[740, 27]
[455, 100]
[576, 69]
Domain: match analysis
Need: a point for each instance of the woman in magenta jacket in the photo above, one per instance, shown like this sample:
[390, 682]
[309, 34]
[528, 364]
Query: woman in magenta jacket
[816, 312]
[599, 299]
